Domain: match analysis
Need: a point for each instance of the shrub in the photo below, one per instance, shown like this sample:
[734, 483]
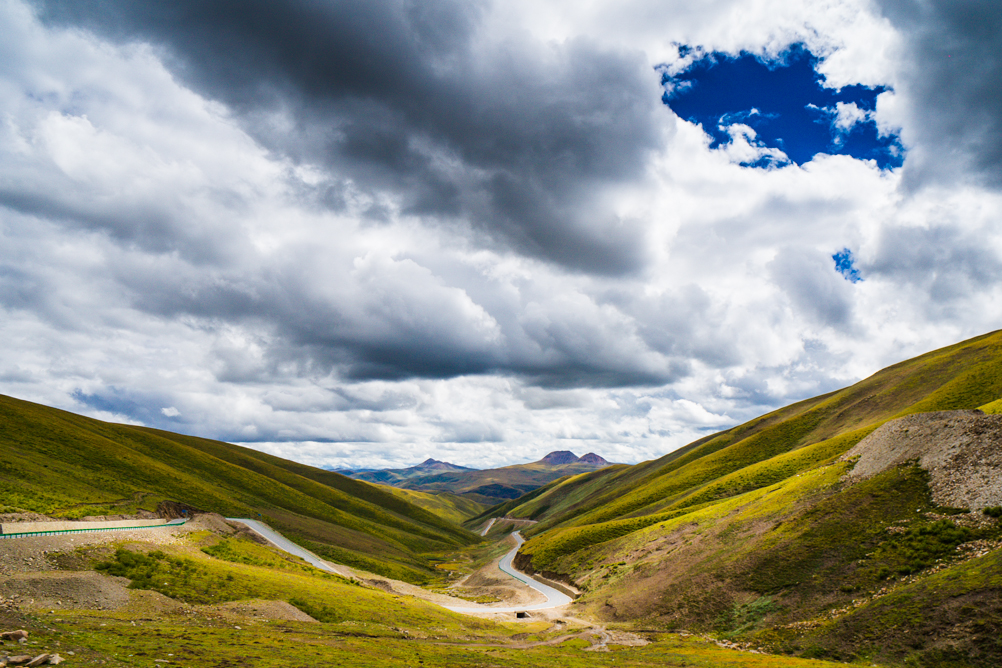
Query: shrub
[919, 547]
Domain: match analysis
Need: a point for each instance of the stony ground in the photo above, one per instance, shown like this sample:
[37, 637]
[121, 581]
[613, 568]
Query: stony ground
[961, 450]
[29, 555]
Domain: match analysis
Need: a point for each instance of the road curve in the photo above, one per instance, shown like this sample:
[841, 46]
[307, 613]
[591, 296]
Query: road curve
[283, 543]
[554, 597]
[488, 527]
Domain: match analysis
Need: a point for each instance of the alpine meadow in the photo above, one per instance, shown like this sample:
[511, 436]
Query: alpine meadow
[500, 334]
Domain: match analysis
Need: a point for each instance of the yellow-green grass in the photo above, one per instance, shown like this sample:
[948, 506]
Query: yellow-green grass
[118, 640]
[949, 618]
[199, 578]
[548, 547]
[452, 507]
[966, 375]
[62, 464]
[992, 408]
[745, 566]
[359, 626]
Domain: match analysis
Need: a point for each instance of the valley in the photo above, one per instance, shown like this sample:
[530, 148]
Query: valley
[861, 526]
[484, 486]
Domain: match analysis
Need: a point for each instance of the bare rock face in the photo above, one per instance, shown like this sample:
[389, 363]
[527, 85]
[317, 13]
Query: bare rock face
[961, 450]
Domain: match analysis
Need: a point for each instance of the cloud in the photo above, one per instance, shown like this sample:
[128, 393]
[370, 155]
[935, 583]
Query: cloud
[943, 262]
[949, 70]
[848, 116]
[366, 235]
[507, 135]
[813, 286]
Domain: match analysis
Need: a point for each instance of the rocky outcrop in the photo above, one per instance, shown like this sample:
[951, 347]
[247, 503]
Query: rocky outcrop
[961, 450]
[174, 510]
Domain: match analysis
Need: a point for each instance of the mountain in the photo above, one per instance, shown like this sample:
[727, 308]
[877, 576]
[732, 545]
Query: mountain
[435, 465]
[486, 486]
[593, 460]
[397, 477]
[559, 458]
[62, 464]
[767, 533]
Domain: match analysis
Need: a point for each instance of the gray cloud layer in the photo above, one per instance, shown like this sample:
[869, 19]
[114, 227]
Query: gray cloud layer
[373, 232]
[953, 71]
[509, 136]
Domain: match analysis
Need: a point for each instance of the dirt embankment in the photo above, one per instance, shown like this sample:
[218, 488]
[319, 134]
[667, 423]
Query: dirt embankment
[559, 581]
[961, 450]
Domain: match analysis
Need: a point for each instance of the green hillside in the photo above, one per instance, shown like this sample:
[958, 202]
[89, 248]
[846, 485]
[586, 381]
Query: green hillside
[965, 375]
[753, 532]
[61, 464]
[452, 507]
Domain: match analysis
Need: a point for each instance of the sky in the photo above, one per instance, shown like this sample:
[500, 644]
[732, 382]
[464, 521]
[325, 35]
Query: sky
[364, 234]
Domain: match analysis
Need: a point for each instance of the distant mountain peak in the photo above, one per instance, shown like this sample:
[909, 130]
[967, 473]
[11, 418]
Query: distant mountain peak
[593, 459]
[437, 465]
[559, 458]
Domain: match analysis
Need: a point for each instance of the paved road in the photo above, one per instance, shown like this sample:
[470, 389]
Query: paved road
[283, 543]
[554, 597]
[488, 527]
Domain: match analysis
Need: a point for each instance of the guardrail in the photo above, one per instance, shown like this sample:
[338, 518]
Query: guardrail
[28, 534]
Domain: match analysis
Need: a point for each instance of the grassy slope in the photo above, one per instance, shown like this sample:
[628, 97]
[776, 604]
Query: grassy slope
[966, 375]
[456, 509]
[55, 462]
[359, 626]
[751, 529]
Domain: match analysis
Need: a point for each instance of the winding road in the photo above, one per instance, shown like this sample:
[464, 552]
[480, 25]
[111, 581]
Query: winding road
[554, 597]
[283, 543]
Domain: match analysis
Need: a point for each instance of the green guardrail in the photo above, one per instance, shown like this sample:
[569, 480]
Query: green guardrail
[27, 534]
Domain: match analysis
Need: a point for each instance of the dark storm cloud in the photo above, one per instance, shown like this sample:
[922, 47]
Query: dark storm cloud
[512, 137]
[954, 77]
[381, 327]
[357, 336]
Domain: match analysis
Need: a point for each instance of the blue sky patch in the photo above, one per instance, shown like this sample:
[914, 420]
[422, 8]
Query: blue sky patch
[845, 265]
[784, 103]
